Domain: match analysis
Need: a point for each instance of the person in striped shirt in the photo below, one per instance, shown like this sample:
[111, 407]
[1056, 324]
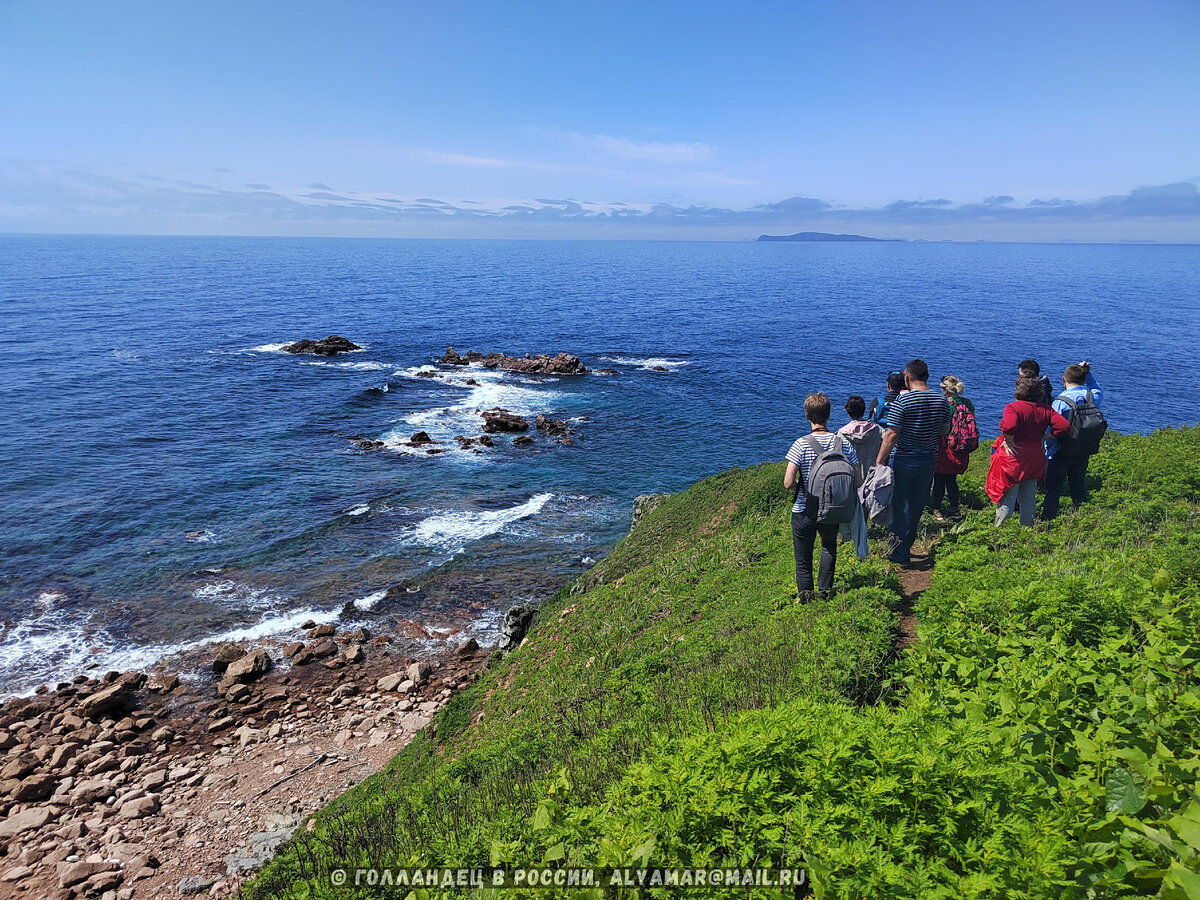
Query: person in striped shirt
[916, 421]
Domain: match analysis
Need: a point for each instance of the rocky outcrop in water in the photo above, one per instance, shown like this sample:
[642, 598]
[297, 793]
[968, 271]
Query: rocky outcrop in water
[497, 420]
[552, 427]
[327, 346]
[539, 364]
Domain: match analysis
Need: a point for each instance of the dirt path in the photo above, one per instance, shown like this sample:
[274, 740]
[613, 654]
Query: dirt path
[914, 581]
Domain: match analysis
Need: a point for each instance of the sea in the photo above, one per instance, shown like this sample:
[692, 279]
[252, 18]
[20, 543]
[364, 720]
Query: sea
[171, 478]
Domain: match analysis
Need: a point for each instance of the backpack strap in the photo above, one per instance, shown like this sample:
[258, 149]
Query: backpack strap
[1071, 403]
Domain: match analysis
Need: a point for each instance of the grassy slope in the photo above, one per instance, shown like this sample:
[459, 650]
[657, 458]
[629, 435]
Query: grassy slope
[679, 707]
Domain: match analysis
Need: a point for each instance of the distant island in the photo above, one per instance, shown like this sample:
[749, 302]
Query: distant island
[822, 236]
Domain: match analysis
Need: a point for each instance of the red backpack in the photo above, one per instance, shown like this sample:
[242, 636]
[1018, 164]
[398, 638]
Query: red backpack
[964, 433]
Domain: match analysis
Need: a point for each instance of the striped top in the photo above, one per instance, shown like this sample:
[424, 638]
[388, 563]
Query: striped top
[920, 416]
[802, 454]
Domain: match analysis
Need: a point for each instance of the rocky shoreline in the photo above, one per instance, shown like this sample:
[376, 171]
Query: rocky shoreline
[132, 786]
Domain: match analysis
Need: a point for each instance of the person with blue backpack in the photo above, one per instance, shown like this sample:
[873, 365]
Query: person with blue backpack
[824, 472]
[1068, 455]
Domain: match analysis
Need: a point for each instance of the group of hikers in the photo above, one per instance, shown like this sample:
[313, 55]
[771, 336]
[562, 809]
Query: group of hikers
[903, 454]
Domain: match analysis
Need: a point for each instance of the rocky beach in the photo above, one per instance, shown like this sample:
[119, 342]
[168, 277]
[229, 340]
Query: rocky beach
[135, 785]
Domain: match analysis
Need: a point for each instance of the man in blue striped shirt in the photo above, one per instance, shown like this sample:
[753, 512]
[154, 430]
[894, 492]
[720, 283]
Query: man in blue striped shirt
[916, 420]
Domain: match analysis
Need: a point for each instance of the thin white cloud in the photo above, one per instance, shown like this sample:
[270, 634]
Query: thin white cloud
[647, 151]
[462, 159]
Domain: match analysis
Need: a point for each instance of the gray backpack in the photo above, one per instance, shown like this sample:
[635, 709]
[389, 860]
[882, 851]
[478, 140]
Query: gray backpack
[832, 489]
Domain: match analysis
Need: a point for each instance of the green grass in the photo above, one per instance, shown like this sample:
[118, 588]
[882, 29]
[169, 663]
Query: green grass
[678, 706]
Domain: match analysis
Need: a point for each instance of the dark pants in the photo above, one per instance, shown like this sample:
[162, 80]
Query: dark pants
[944, 484]
[804, 537]
[912, 477]
[1071, 469]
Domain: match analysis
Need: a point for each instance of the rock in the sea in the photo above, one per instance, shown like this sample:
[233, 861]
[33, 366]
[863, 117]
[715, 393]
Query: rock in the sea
[328, 346]
[367, 444]
[606, 371]
[523, 440]
[486, 441]
[643, 505]
[554, 427]
[529, 364]
[497, 420]
[421, 437]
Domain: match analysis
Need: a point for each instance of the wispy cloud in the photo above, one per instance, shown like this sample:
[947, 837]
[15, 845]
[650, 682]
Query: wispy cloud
[462, 159]
[647, 151]
[47, 196]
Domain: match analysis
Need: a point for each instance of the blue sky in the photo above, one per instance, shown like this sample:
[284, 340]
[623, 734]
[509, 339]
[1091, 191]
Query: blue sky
[1038, 121]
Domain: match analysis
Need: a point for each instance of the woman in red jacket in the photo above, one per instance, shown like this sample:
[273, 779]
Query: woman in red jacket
[1023, 433]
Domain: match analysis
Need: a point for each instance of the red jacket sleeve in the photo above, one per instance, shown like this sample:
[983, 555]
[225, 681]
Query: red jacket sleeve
[1058, 425]
[1008, 421]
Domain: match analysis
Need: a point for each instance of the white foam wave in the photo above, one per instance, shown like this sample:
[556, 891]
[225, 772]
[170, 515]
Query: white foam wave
[358, 366]
[361, 510]
[49, 648]
[649, 363]
[453, 530]
[234, 593]
[125, 354]
[444, 422]
[369, 602]
[201, 537]
[267, 348]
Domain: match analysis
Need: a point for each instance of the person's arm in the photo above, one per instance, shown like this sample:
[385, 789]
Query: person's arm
[889, 443]
[949, 423]
[1092, 385]
[1008, 426]
[791, 476]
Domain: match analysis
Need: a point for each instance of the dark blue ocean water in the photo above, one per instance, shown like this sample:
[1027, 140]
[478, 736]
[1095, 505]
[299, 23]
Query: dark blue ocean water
[169, 477]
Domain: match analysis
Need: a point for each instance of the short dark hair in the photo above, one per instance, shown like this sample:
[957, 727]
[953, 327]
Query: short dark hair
[895, 381]
[1030, 367]
[1075, 374]
[856, 407]
[816, 408]
[1028, 388]
[917, 370]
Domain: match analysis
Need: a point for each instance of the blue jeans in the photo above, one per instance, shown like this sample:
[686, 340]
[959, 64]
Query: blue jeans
[912, 477]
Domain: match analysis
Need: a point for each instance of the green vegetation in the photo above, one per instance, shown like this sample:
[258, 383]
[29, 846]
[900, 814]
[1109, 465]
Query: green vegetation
[677, 706]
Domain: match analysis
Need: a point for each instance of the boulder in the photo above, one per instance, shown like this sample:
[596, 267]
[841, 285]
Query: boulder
[327, 346]
[486, 441]
[139, 808]
[224, 655]
[390, 682]
[70, 873]
[421, 437]
[523, 440]
[323, 649]
[34, 788]
[453, 359]
[418, 672]
[249, 667]
[116, 696]
[163, 683]
[27, 820]
[468, 648]
[91, 790]
[496, 420]
[513, 626]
